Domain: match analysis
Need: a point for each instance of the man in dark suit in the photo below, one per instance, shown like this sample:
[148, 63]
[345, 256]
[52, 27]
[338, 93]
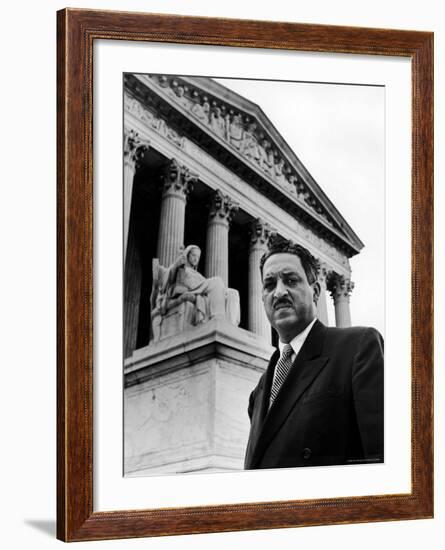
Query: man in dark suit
[320, 401]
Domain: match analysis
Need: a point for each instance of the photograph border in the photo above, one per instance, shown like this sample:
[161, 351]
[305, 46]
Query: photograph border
[76, 31]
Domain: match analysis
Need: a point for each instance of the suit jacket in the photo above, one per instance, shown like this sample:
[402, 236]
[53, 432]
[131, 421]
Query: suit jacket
[329, 409]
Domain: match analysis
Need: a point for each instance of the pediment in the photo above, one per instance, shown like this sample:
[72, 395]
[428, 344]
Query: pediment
[239, 134]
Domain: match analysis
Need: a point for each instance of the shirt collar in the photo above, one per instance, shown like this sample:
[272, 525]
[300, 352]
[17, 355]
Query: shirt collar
[298, 340]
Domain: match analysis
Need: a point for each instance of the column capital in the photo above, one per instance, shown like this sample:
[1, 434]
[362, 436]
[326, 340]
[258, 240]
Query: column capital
[177, 180]
[222, 208]
[323, 272]
[134, 148]
[339, 286]
[260, 232]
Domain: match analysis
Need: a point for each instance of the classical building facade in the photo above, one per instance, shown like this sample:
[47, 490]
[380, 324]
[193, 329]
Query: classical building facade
[205, 166]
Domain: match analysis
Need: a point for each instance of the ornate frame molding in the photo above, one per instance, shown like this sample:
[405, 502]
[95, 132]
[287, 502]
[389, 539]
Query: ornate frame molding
[77, 30]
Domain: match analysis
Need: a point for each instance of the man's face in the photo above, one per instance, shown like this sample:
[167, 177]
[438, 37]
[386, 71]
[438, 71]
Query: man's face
[289, 300]
[193, 257]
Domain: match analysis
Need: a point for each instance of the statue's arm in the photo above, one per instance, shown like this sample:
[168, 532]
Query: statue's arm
[159, 276]
[172, 271]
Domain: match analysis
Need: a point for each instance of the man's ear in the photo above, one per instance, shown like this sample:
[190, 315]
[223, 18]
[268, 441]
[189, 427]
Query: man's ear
[317, 289]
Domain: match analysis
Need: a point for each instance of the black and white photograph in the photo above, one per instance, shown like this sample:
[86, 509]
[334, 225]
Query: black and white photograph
[223, 255]
[253, 294]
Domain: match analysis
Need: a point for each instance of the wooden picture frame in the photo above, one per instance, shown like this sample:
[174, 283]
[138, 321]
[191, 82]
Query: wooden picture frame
[77, 31]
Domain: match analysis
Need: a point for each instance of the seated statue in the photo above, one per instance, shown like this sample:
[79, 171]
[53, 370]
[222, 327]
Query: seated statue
[181, 297]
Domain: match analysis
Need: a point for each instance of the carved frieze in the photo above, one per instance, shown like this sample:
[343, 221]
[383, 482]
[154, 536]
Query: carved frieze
[217, 122]
[135, 107]
[154, 122]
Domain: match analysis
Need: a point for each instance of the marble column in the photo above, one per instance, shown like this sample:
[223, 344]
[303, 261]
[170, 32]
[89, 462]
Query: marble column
[221, 212]
[340, 289]
[257, 320]
[132, 292]
[177, 184]
[322, 307]
[134, 150]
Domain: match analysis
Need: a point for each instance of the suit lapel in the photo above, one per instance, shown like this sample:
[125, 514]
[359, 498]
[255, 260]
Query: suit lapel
[260, 411]
[268, 385]
[305, 369]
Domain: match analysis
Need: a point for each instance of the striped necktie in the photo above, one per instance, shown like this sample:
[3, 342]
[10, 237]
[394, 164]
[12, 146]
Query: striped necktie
[282, 369]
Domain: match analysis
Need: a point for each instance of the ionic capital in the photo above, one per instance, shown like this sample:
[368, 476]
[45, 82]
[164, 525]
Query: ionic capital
[222, 208]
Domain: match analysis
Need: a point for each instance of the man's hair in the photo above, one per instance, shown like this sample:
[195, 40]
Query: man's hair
[279, 245]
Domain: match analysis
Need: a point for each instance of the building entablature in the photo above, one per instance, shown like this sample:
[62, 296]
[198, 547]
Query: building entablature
[237, 134]
[151, 129]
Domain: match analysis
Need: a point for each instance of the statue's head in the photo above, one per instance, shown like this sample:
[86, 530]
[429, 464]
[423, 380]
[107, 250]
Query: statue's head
[179, 90]
[192, 254]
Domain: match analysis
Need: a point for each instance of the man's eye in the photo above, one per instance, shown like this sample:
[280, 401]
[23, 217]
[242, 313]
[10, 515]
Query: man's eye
[268, 285]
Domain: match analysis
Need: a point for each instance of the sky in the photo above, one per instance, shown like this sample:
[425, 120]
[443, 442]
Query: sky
[338, 132]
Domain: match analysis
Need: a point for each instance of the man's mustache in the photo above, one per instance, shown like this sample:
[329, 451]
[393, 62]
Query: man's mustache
[281, 302]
